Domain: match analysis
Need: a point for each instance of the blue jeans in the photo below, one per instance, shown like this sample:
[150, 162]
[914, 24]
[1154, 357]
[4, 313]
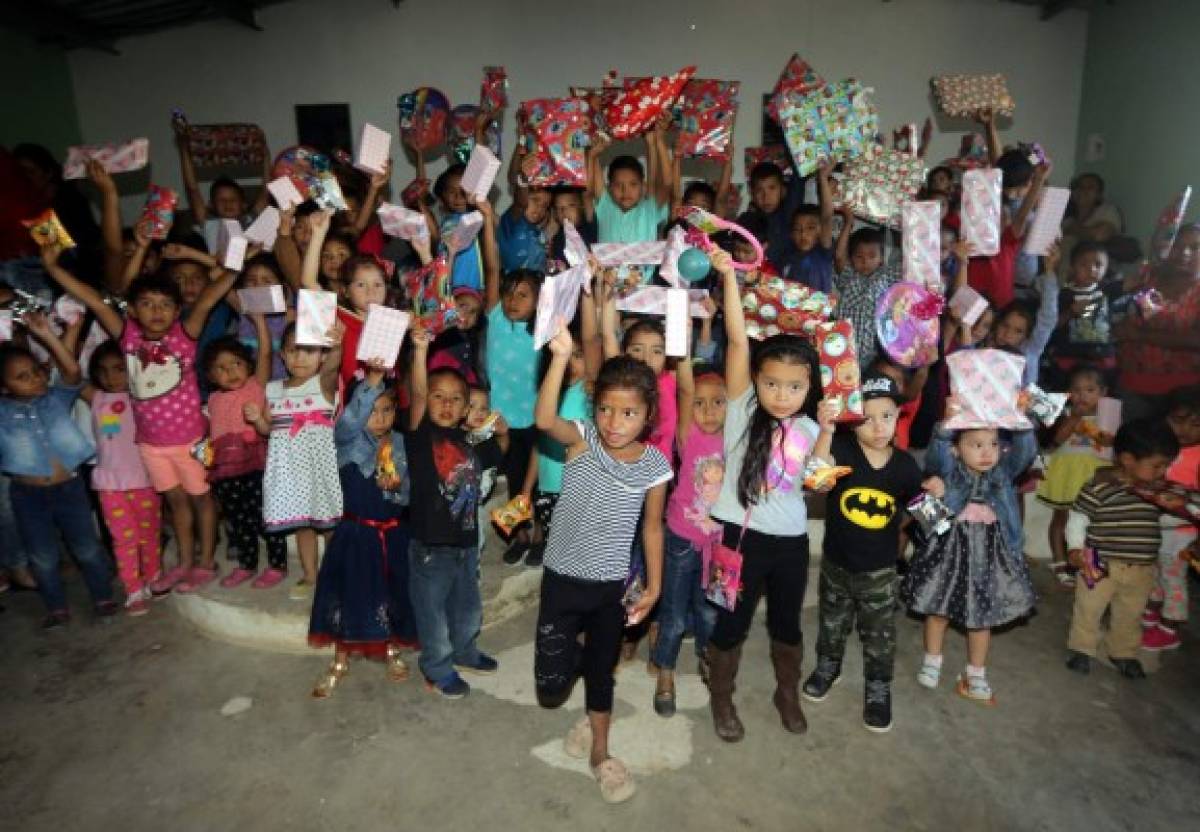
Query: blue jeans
[682, 602]
[12, 548]
[45, 512]
[444, 588]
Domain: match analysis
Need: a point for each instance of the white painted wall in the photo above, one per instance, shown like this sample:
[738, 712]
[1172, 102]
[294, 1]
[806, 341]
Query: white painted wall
[365, 52]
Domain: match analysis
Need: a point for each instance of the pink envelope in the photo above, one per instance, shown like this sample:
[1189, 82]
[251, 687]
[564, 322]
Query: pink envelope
[652, 300]
[986, 384]
[382, 334]
[558, 299]
[398, 221]
[315, 313]
[116, 157]
[1047, 222]
[374, 145]
[629, 254]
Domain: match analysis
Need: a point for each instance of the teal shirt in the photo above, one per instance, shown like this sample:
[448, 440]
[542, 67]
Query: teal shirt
[512, 365]
[637, 225]
[552, 454]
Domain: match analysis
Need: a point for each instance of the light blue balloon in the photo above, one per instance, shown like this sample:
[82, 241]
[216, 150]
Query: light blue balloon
[693, 265]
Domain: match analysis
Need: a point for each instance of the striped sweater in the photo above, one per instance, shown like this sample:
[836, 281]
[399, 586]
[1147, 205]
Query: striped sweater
[1116, 522]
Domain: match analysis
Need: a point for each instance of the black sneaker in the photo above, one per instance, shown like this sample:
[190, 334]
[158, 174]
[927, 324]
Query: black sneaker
[827, 674]
[1129, 668]
[515, 552]
[877, 706]
[536, 551]
[1079, 663]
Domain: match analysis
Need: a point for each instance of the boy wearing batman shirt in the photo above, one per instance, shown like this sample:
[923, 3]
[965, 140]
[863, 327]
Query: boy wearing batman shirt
[862, 541]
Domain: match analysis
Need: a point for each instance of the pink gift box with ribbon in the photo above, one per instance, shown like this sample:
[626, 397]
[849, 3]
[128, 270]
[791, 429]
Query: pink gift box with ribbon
[982, 192]
[986, 384]
[921, 235]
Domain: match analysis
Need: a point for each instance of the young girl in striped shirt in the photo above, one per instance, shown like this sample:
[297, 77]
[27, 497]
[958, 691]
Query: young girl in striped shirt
[610, 474]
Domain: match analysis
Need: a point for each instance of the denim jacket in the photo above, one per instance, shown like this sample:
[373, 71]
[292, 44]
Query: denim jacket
[995, 486]
[34, 433]
[357, 447]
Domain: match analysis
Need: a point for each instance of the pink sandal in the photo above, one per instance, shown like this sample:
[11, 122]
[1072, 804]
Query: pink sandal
[169, 580]
[197, 578]
[236, 578]
[269, 578]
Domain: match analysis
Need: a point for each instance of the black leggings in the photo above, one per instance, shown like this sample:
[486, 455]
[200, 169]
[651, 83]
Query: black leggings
[241, 500]
[780, 566]
[516, 459]
[570, 606]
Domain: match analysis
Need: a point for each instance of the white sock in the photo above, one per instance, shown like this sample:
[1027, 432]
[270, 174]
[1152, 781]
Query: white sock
[976, 672]
[932, 660]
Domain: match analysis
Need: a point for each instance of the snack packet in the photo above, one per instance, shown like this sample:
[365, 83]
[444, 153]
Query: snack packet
[47, 230]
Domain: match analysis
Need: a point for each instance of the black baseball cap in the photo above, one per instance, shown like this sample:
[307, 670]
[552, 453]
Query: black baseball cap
[880, 386]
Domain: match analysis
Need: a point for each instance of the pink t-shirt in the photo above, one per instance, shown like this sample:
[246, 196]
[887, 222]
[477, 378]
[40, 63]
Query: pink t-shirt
[118, 463]
[701, 470]
[237, 447]
[162, 382]
[663, 435]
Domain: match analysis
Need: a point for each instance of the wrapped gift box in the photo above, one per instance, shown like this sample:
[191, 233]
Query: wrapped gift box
[837, 122]
[965, 95]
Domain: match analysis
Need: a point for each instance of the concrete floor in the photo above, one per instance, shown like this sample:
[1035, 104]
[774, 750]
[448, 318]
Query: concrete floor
[116, 725]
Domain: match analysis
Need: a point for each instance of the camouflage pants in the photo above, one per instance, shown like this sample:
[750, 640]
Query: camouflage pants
[868, 598]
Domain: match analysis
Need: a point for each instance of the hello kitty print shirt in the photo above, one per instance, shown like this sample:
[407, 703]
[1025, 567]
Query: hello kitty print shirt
[162, 383]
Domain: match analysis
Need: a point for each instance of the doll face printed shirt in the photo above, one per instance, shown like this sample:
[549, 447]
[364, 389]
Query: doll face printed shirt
[162, 384]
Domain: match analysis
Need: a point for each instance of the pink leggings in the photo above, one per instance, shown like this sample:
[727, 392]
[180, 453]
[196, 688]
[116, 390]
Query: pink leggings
[134, 519]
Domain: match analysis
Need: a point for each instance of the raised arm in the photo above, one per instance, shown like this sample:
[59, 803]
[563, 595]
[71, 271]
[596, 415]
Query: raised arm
[841, 257]
[286, 252]
[366, 211]
[106, 316]
[311, 270]
[595, 171]
[545, 412]
[667, 168]
[1032, 196]
[685, 393]
[187, 168]
[826, 194]
[987, 119]
[418, 393]
[262, 357]
[608, 313]
[491, 253]
[358, 411]
[68, 366]
[737, 347]
[220, 282]
[110, 222]
[589, 333]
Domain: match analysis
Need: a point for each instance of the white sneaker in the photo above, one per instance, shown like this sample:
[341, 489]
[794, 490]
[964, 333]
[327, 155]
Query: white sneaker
[975, 688]
[929, 675]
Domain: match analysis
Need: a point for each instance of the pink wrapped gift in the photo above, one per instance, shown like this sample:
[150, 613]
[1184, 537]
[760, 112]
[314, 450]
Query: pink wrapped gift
[633, 110]
[557, 132]
[648, 253]
[158, 213]
[652, 300]
[797, 80]
[878, 183]
[980, 210]
[706, 118]
[428, 289]
[1047, 222]
[965, 95]
[574, 248]
[968, 305]
[840, 376]
[382, 334]
[265, 228]
[558, 300]
[263, 300]
[677, 242]
[482, 167]
[921, 237]
[464, 233]
[115, 157]
[493, 93]
[398, 221]
[316, 312]
[776, 154]
[221, 145]
[6, 324]
[986, 384]
[285, 192]
[374, 146]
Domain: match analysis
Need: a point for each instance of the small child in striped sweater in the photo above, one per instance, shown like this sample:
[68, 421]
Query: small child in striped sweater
[1113, 538]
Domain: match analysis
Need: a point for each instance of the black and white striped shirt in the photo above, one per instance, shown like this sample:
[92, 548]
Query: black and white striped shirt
[597, 512]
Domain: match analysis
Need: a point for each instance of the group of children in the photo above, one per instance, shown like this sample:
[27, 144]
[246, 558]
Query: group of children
[642, 470]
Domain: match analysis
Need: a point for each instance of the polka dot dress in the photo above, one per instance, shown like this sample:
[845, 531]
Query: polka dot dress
[969, 576]
[300, 484]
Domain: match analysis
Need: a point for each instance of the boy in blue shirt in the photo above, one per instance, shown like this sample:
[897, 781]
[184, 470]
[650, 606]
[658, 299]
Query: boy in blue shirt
[627, 211]
[808, 255]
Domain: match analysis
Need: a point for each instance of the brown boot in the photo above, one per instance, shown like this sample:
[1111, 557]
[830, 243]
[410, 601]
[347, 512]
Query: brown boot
[723, 668]
[786, 659]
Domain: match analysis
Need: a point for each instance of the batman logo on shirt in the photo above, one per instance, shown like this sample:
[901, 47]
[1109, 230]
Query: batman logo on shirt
[867, 508]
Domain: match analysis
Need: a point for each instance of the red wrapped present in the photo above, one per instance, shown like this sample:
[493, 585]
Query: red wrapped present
[159, 212]
[428, 290]
[493, 94]
[706, 118]
[557, 132]
[599, 98]
[634, 110]
[776, 154]
[840, 379]
[221, 145]
[773, 305]
[797, 80]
